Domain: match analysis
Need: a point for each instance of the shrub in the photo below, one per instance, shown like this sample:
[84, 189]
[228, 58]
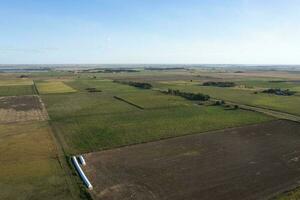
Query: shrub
[278, 91]
[219, 84]
[136, 84]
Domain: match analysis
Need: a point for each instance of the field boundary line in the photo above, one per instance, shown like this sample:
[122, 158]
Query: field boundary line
[190, 134]
[267, 111]
[128, 102]
[36, 91]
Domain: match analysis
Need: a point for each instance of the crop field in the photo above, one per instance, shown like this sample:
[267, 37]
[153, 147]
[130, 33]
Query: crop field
[148, 144]
[22, 108]
[89, 122]
[292, 85]
[287, 104]
[53, 87]
[229, 164]
[29, 167]
[13, 82]
[154, 99]
[16, 90]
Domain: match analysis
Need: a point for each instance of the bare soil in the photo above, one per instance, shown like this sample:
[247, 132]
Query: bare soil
[249, 163]
[22, 108]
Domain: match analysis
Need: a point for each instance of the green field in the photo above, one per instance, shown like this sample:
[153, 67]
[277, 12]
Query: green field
[95, 121]
[16, 90]
[53, 87]
[29, 167]
[295, 86]
[289, 104]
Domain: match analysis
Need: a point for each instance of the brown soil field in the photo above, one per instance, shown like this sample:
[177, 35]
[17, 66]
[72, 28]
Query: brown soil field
[22, 108]
[250, 163]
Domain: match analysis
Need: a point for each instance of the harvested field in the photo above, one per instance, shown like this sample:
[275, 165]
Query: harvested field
[22, 108]
[249, 163]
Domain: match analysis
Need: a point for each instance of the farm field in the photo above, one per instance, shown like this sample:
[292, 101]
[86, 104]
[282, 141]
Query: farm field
[16, 90]
[150, 100]
[53, 87]
[93, 121]
[230, 164]
[287, 104]
[29, 167]
[54, 115]
[22, 108]
[13, 82]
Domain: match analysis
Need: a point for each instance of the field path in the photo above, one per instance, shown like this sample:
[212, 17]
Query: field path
[270, 112]
[266, 111]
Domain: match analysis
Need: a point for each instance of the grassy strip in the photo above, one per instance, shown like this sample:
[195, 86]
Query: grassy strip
[267, 111]
[34, 88]
[289, 195]
[76, 186]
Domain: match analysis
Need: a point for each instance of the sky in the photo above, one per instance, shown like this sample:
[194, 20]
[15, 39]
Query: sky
[150, 32]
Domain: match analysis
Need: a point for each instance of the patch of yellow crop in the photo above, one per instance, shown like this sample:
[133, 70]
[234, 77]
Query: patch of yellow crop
[12, 82]
[53, 87]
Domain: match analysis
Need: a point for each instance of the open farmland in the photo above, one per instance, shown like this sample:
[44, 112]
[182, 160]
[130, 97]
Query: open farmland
[12, 82]
[16, 90]
[230, 164]
[287, 104]
[93, 121]
[29, 166]
[164, 139]
[53, 87]
[150, 100]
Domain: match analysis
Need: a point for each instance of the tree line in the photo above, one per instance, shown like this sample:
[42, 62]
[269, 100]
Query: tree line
[136, 84]
[278, 91]
[219, 84]
[188, 95]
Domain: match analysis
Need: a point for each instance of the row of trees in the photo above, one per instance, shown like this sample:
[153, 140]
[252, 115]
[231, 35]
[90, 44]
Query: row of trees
[219, 84]
[93, 90]
[188, 95]
[136, 84]
[278, 91]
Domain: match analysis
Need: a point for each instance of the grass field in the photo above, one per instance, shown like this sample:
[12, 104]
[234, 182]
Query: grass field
[53, 87]
[271, 84]
[16, 90]
[29, 167]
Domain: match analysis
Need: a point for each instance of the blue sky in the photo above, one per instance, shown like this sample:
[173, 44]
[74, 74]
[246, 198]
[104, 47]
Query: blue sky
[150, 31]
